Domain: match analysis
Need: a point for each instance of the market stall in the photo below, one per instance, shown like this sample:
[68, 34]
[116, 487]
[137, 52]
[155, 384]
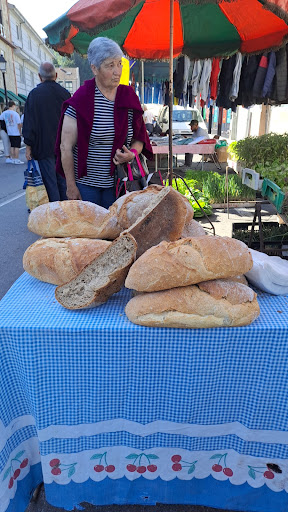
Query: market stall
[106, 411]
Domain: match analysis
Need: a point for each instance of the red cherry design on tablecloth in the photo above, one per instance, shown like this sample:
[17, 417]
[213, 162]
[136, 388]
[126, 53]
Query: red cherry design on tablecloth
[56, 471]
[152, 468]
[98, 468]
[53, 462]
[131, 468]
[110, 468]
[217, 468]
[228, 471]
[11, 481]
[269, 475]
[176, 467]
[24, 463]
[141, 469]
[176, 458]
[16, 473]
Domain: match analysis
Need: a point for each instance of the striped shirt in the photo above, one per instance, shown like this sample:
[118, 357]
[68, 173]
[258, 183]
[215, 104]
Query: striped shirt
[100, 143]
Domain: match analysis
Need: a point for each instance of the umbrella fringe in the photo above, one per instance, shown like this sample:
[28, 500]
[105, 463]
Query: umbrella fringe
[275, 9]
[201, 2]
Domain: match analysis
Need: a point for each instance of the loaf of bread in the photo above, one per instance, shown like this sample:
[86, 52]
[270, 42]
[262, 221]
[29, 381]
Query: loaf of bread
[101, 278]
[58, 260]
[130, 207]
[188, 261]
[73, 218]
[192, 228]
[163, 219]
[218, 303]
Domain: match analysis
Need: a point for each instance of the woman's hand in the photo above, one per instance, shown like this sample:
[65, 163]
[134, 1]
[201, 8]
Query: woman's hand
[73, 192]
[123, 156]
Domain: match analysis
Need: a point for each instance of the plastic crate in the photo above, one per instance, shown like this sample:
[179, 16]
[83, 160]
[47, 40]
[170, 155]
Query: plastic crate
[251, 178]
[271, 247]
[273, 193]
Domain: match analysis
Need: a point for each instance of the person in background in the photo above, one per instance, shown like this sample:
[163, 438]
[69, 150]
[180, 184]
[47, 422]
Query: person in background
[148, 117]
[5, 140]
[197, 131]
[101, 126]
[41, 117]
[13, 126]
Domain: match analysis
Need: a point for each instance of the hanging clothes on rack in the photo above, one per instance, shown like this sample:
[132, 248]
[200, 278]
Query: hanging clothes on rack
[214, 78]
[248, 74]
[270, 75]
[205, 80]
[236, 77]
[260, 78]
[281, 76]
[178, 78]
[225, 84]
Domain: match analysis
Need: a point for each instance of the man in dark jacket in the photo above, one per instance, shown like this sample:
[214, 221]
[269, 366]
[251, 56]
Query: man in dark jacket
[41, 118]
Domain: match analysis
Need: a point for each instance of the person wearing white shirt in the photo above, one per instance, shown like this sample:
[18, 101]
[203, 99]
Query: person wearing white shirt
[13, 125]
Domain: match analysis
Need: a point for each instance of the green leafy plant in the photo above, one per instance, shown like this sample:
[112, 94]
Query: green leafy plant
[203, 201]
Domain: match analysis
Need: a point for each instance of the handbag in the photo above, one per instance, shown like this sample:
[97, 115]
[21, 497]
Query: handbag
[130, 177]
[36, 193]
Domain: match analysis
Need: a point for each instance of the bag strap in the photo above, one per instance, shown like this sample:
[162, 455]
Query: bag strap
[142, 172]
[31, 163]
[130, 173]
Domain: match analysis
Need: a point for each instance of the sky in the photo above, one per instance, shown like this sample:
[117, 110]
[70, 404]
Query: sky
[39, 14]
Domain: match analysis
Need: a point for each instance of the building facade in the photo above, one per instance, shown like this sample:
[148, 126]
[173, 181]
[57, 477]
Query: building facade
[29, 51]
[7, 50]
[68, 78]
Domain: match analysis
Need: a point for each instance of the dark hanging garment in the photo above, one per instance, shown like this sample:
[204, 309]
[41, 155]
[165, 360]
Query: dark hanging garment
[260, 78]
[248, 75]
[225, 84]
[178, 78]
[281, 75]
[268, 83]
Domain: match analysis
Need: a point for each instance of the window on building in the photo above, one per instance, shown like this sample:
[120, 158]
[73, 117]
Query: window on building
[60, 82]
[22, 74]
[18, 32]
[69, 86]
[32, 78]
[39, 52]
[1, 22]
[29, 43]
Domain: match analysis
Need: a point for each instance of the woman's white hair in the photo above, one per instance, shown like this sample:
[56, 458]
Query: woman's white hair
[102, 48]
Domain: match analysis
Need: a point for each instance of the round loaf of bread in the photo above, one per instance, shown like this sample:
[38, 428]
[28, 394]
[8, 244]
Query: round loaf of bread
[188, 261]
[130, 207]
[73, 218]
[192, 228]
[219, 303]
[58, 260]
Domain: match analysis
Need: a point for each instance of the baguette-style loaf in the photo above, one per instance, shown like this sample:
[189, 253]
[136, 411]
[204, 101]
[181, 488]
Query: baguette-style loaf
[188, 261]
[219, 303]
[163, 219]
[73, 218]
[58, 260]
[192, 228]
[130, 207]
[101, 278]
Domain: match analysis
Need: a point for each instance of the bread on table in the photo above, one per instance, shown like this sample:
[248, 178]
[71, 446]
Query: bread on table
[58, 260]
[219, 303]
[163, 219]
[101, 278]
[188, 261]
[129, 208]
[75, 219]
[192, 228]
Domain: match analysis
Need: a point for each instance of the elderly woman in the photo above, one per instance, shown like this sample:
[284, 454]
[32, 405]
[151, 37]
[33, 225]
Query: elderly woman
[101, 126]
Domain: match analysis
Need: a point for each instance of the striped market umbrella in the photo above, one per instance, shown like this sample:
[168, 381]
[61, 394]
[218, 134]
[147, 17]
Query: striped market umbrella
[202, 28]
[165, 29]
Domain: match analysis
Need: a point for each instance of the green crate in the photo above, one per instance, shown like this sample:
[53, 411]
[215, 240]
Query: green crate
[273, 193]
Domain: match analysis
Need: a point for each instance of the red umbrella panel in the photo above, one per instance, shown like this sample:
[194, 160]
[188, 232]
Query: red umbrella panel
[201, 30]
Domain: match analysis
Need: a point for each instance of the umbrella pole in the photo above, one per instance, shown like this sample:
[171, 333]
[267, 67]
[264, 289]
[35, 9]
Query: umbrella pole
[170, 171]
[142, 82]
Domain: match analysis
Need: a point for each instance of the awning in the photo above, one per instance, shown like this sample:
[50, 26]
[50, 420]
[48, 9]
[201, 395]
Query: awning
[12, 97]
[22, 96]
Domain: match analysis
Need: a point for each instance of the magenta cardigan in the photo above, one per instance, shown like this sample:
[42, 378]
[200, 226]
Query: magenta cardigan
[83, 102]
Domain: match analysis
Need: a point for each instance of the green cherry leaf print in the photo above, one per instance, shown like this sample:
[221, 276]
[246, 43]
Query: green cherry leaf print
[19, 454]
[71, 471]
[96, 456]
[191, 470]
[216, 456]
[7, 473]
[252, 473]
[132, 456]
[152, 456]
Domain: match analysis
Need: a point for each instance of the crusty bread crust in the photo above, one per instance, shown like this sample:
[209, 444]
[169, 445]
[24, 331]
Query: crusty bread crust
[101, 278]
[192, 228]
[196, 307]
[73, 218]
[163, 219]
[58, 260]
[130, 207]
[188, 261]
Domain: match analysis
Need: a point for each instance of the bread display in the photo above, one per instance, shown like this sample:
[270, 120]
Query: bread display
[58, 260]
[163, 219]
[219, 303]
[73, 218]
[188, 261]
[101, 278]
[192, 228]
[130, 207]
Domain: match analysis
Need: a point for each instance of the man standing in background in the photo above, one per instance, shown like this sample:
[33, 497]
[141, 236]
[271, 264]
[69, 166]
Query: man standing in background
[41, 118]
[13, 126]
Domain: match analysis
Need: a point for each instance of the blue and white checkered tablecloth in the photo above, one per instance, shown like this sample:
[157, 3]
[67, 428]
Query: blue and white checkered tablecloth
[88, 389]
